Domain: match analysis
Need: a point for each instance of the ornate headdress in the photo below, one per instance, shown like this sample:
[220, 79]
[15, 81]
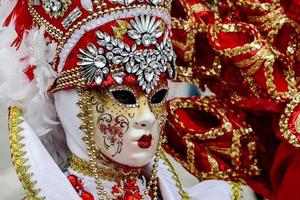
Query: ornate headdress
[105, 41]
[66, 44]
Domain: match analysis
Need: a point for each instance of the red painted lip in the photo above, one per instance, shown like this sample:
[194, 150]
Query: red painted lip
[145, 141]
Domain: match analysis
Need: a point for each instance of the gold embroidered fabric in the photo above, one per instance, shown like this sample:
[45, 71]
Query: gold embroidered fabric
[19, 159]
[110, 174]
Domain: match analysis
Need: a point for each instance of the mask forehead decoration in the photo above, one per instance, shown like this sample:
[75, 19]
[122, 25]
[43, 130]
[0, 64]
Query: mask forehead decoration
[147, 64]
[102, 42]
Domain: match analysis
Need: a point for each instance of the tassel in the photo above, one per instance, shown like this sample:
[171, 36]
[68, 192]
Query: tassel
[23, 20]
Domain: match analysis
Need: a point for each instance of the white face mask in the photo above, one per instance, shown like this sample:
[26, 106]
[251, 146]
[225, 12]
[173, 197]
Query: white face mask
[127, 124]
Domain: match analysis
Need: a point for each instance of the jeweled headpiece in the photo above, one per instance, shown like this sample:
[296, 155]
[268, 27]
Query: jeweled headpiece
[100, 43]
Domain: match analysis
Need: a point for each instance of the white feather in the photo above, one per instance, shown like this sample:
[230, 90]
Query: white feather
[40, 55]
[31, 96]
[16, 89]
[6, 7]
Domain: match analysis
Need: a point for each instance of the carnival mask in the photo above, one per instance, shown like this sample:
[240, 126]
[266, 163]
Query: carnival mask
[128, 123]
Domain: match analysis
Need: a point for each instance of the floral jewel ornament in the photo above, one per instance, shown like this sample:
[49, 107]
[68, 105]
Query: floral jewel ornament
[147, 57]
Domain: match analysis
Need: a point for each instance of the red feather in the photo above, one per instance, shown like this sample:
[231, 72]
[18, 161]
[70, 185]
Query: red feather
[21, 17]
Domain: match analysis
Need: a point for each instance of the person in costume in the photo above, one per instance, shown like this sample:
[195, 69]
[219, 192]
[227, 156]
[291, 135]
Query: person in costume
[86, 82]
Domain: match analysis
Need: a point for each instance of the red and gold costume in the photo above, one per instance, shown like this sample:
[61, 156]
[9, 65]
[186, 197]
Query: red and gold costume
[245, 53]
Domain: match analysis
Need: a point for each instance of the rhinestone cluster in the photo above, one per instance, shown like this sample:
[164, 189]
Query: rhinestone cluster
[56, 8]
[147, 64]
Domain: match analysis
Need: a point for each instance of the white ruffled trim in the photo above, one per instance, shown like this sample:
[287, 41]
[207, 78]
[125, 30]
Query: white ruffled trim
[93, 24]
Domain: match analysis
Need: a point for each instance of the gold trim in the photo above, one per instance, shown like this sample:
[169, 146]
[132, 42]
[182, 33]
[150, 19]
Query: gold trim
[182, 193]
[284, 122]
[236, 191]
[18, 155]
[84, 168]
[234, 153]
[207, 105]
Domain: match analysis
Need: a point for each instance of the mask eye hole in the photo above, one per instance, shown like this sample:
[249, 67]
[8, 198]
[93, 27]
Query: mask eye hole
[159, 96]
[125, 97]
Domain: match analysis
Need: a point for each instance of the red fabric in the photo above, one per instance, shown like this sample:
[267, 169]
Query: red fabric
[30, 72]
[285, 173]
[292, 9]
[22, 19]
[206, 114]
[79, 187]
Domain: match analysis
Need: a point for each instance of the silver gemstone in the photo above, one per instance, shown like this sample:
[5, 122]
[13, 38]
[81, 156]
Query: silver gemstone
[99, 34]
[126, 59]
[82, 63]
[120, 44]
[101, 51]
[106, 37]
[92, 49]
[99, 79]
[109, 47]
[157, 33]
[144, 85]
[109, 55]
[139, 72]
[143, 65]
[117, 50]
[134, 34]
[102, 43]
[114, 41]
[146, 40]
[124, 53]
[148, 89]
[118, 77]
[132, 62]
[117, 59]
[128, 67]
[86, 58]
[149, 74]
[135, 69]
[105, 70]
[100, 61]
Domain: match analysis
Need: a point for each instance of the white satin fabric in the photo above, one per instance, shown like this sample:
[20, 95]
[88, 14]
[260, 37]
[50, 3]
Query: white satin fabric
[53, 182]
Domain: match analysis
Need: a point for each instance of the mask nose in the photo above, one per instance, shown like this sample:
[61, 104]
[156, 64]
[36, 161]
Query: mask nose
[145, 118]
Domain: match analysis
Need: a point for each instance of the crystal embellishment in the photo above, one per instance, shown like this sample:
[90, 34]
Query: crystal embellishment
[56, 8]
[128, 2]
[146, 64]
[145, 30]
[93, 64]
